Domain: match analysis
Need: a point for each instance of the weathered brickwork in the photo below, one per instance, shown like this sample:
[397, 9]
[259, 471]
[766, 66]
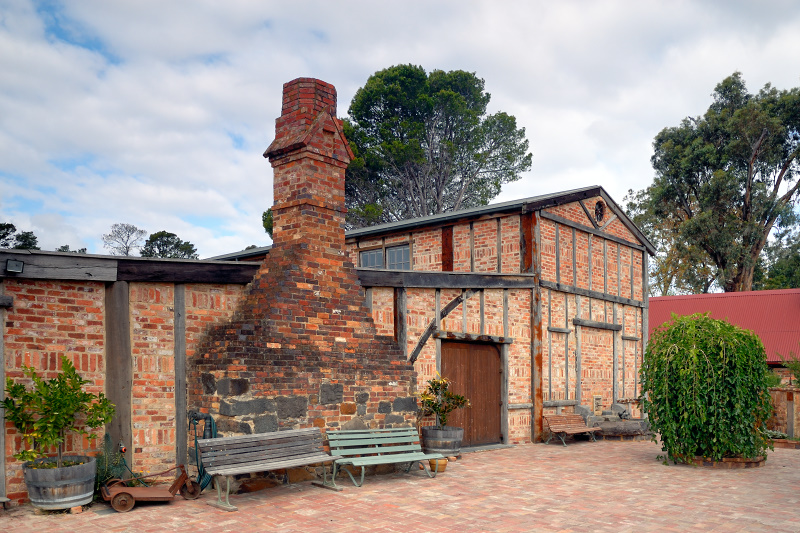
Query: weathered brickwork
[153, 390]
[302, 348]
[510, 244]
[50, 319]
[462, 258]
[427, 250]
[421, 310]
[485, 245]
[383, 310]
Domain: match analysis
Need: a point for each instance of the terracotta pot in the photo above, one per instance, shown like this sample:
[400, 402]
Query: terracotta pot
[442, 465]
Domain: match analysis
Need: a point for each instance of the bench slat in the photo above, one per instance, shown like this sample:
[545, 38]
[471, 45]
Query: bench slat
[283, 434]
[257, 456]
[387, 459]
[264, 466]
[276, 450]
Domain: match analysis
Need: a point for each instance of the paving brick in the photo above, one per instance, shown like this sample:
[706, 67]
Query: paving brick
[586, 486]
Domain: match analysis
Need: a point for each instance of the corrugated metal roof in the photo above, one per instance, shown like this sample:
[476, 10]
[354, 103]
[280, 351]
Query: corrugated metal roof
[542, 200]
[772, 315]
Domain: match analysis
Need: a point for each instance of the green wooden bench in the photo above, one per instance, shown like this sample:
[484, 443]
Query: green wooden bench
[362, 448]
[229, 456]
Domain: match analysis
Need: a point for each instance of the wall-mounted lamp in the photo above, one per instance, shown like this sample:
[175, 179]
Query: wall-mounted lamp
[14, 267]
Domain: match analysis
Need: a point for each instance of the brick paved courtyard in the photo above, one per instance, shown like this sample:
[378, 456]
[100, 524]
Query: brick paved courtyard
[603, 486]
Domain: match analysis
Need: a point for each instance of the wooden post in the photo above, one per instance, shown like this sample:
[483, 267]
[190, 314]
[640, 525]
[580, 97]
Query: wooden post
[181, 408]
[119, 365]
[2, 396]
[558, 254]
[578, 313]
[536, 333]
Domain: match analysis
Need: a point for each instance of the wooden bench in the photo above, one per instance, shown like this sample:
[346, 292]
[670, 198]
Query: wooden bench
[563, 425]
[362, 448]
[229, 456]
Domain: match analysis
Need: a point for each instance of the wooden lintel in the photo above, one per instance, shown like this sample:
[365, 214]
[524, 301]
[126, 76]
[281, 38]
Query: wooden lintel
[630, 338]
[457, 336]
[597, 325]
[587, 229]
[186, 271]
[443, 280]
[559, 330]
[513, 406]
[59, 266]
[591, 294]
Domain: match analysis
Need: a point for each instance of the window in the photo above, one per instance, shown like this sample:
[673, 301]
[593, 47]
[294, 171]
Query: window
[397, 258]
[372, 258]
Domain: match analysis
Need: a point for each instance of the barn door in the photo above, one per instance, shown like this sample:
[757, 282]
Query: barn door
[475, 371]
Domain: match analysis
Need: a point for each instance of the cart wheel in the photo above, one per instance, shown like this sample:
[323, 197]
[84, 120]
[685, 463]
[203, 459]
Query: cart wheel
[122, 502]
[191, 490]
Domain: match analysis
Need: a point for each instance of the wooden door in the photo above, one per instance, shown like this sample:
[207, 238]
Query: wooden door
[475, 371]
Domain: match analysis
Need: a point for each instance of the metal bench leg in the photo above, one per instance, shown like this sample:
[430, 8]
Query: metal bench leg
[561, 436]
[591, 433]
[356, 483]
[324, 484]
[224, 505]
[431, 473]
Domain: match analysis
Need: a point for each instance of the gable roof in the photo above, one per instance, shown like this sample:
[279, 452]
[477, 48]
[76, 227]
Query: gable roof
[772, 315]
[527, 205]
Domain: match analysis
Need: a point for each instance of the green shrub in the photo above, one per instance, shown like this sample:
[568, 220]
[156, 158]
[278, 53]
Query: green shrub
[705, 389]
[772, 379]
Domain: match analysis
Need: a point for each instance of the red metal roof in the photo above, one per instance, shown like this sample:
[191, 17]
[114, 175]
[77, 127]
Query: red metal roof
[772, 315]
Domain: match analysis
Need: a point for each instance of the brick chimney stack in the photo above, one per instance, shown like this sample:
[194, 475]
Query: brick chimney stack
[309, 156]
[302, 347]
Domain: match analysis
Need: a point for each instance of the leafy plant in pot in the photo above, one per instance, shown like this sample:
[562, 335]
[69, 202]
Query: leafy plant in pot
[437, 399]
[44, 414]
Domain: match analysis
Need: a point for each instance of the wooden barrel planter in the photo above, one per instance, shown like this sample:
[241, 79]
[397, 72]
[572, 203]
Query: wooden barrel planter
[445, 440]
[61, 488]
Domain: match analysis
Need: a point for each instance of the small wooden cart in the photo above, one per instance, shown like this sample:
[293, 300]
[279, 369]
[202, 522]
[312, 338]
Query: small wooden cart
[123, 497]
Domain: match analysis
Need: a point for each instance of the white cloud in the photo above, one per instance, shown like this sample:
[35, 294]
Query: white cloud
[156, 114]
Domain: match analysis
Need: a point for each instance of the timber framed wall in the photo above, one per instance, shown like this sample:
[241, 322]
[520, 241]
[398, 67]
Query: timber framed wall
[558, 283]
[128, 325]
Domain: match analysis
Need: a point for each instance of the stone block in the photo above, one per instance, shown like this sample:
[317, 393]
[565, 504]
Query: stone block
[232, 387]
[394, 419]
[301, 474]
[209, 383]
[331, 393]
[230, 425]
[265, 424]
[247, 407]
[355, 423]
[384, 407]
[404, 405]
[292, 406]
[362, 397]
[348, 408]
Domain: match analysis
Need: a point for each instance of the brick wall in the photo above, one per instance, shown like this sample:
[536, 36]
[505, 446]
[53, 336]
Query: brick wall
[302, 348]
[153, 390]
[50, 319]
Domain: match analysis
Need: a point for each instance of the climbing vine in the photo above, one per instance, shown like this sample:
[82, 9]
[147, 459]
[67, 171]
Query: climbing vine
[704, 389]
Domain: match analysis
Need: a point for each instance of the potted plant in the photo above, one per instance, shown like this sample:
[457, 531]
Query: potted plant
[43, 415]
[438, 400]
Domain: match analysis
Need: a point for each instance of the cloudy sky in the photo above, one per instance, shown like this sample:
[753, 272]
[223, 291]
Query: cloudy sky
[156, 113]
